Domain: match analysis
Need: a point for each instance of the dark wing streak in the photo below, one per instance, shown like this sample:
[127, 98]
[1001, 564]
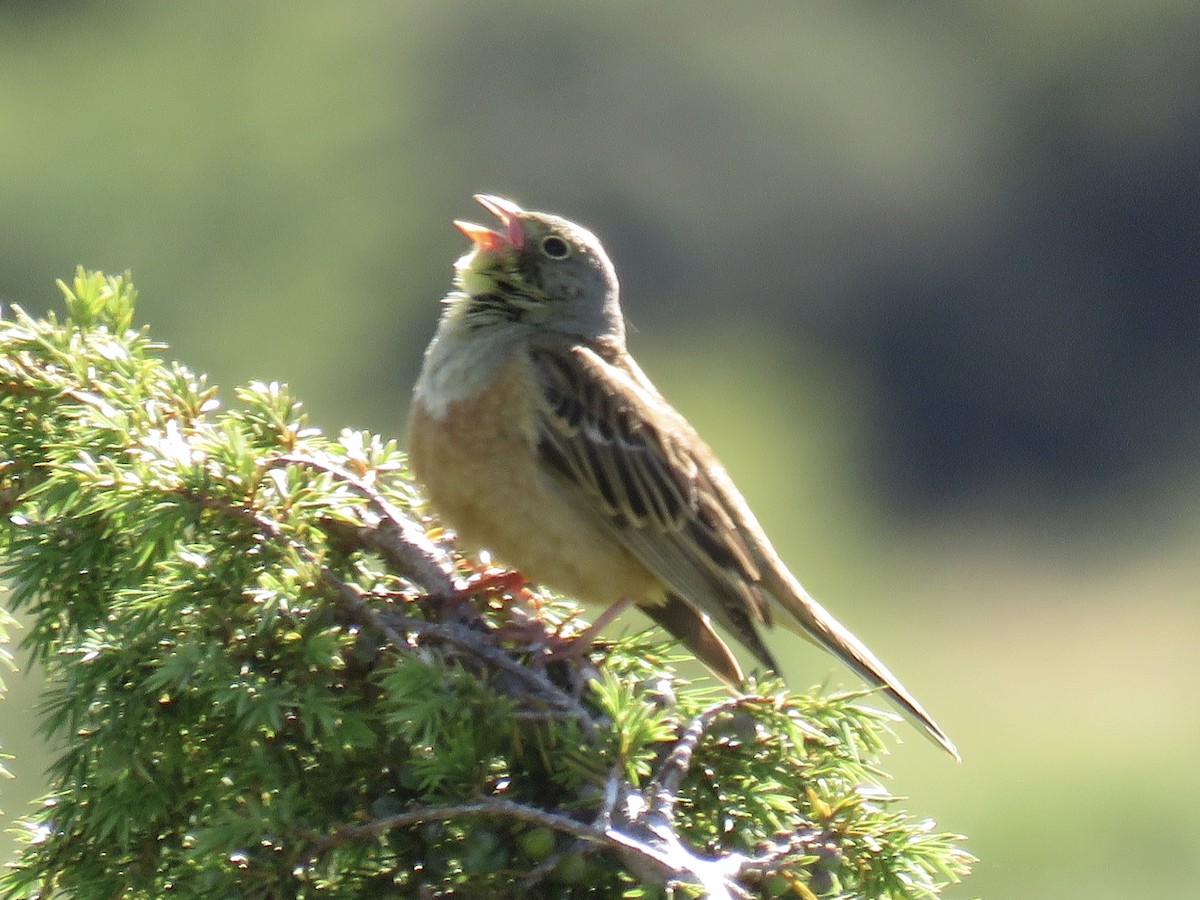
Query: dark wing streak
[626, 496]
[672, 493]
[714, 528]
[574, 453]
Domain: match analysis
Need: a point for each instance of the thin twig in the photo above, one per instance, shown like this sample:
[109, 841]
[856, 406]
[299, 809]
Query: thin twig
[407, 547]
[801, 842]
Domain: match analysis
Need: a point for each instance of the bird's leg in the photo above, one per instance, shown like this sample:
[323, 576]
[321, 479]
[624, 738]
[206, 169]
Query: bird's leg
[580, 644]
[575, 649]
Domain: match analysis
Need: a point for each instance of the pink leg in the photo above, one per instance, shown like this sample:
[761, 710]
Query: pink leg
[581, 643]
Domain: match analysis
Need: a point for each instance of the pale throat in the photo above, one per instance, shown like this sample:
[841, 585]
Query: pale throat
[470, 279]
[462, 361]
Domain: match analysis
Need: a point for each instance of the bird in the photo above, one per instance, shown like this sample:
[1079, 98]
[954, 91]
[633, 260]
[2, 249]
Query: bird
[536, 436]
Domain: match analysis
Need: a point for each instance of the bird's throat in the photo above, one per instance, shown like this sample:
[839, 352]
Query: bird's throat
[476, 273]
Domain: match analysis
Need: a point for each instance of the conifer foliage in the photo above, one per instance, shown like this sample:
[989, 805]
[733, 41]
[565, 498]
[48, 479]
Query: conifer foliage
[269, 676]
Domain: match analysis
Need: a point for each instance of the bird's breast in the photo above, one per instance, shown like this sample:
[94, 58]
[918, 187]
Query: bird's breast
[476, 458]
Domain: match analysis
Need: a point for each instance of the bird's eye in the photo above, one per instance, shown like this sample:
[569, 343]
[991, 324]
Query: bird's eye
[555, 247]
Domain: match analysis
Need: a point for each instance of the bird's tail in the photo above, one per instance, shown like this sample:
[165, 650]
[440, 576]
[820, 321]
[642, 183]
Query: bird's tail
[805, 616]
[693, 629]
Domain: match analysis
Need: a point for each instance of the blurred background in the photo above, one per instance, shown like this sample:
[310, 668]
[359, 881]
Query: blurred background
[925, 275]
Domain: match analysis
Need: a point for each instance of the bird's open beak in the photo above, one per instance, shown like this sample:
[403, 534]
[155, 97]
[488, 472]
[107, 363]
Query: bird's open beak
[509, 215]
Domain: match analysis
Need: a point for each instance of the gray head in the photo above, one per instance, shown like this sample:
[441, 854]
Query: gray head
[538, 270]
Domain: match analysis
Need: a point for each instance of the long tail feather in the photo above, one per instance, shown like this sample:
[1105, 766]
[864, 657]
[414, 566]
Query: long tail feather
[694, 631]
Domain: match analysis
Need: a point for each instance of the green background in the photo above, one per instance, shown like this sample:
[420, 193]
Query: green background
[925, 275]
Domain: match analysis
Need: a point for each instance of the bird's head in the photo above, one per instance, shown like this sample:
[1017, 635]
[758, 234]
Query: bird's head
[539, 270]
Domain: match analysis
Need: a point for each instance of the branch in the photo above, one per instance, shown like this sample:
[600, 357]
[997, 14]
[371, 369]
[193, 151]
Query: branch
[665, 786]
[422, 814]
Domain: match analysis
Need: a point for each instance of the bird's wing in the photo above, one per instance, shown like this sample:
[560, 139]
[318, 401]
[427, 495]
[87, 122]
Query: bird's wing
[648, 478]
[633, 462]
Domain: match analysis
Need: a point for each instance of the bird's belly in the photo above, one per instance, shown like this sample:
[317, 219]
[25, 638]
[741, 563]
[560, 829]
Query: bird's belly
[478, 465]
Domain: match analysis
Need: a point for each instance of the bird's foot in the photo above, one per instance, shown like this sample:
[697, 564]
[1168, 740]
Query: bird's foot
[492, 586]
[496, 582]
[507, 592]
